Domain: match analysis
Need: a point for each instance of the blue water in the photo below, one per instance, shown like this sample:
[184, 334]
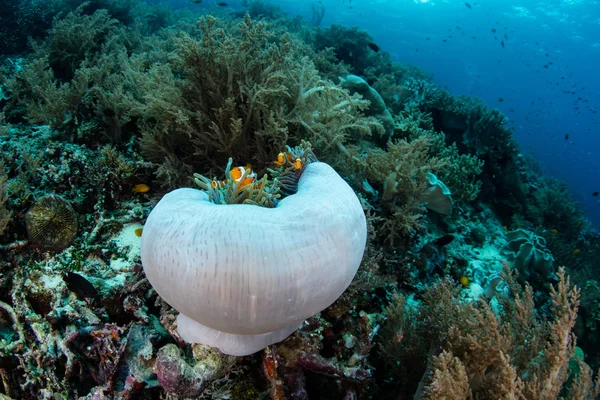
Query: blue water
[545, 74]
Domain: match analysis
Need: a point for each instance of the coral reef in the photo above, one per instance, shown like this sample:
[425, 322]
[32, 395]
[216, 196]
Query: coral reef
[21, 20]
[115, 103]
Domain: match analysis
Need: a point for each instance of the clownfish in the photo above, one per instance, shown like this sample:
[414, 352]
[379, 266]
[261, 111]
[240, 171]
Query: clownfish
[236, 175]
[287, 156]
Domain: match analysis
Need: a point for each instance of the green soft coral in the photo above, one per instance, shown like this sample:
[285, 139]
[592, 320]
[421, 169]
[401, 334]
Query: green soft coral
[460, 174]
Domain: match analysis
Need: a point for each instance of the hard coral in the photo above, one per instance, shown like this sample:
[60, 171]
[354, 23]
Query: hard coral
[51, 223]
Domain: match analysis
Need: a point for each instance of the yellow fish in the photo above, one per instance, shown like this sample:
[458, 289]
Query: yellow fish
[464, 281]
[554, 231]
[576, 252]
[141, 188]
[138, 232]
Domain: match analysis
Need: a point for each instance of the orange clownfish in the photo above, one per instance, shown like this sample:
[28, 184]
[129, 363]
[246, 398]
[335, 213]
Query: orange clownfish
[287, 156]
[236, 175]
[282, 157]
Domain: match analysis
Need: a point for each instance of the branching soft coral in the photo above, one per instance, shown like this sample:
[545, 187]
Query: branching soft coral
[459, 171]
[449, 379]
[401, 175]
[76, 38]
[512, 353]
[552, 207]
[85, 81]
[244, 93]
[477, 131]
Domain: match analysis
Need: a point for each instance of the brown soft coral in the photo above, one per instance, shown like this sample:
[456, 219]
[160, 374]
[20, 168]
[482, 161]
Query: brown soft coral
[401, 175]
[246, 94]
[507, 354]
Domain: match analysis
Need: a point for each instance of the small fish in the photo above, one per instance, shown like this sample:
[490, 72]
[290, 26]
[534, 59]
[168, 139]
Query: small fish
[444, 240]
[554, 231]
[138, 232]
[505, 228]
[141, 188]
[222, 4]
[236, 175]
[595, 194]
[373, 47]
[287, 157]
[80, 286]
[502, 43]
[196, 1]
[576, 252]
[567, 136]
[493, 30]
[500, 99]
[464, 281]
[282, 157]
[468, 6]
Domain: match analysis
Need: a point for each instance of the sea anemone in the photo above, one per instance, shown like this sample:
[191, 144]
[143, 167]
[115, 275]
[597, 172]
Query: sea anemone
[51, 223]
[243, 276]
